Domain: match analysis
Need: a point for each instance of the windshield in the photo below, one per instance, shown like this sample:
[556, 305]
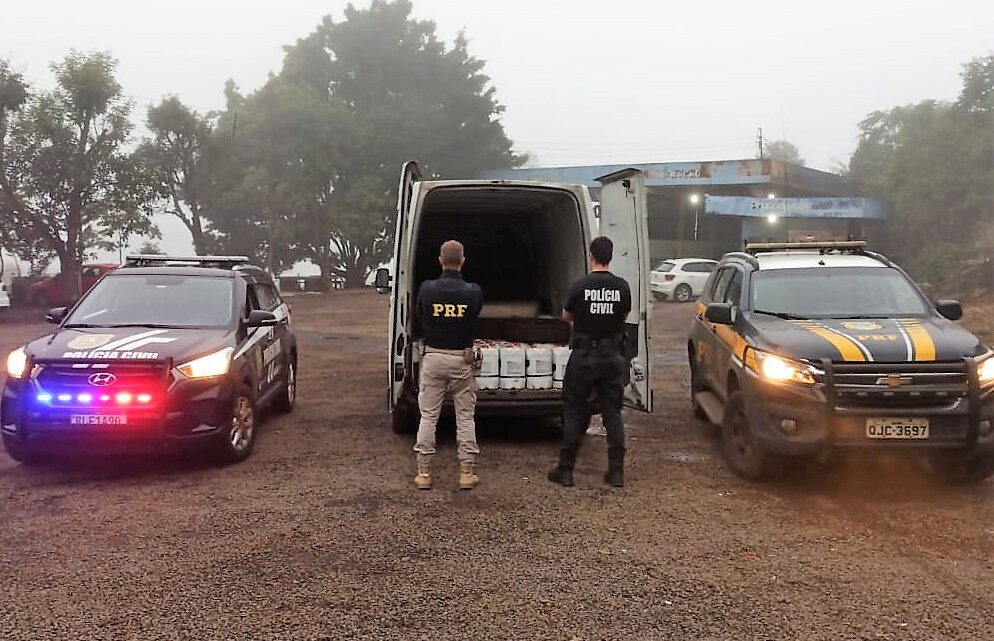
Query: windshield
[837, 292]
[664, 267]
[168, 300]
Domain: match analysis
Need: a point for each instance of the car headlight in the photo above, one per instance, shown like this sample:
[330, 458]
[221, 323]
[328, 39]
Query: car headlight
[17, 362]
[985, 371]
[778, 369]
[215, 364]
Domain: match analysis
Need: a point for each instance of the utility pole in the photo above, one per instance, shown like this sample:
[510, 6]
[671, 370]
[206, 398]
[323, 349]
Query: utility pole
[759, 141]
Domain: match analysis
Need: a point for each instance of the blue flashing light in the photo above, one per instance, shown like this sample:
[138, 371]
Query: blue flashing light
[84, 398]
[44, 398]
[65, 398]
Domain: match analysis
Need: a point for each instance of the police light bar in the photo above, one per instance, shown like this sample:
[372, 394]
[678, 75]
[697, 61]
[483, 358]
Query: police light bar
[823, 246]
[145, 260]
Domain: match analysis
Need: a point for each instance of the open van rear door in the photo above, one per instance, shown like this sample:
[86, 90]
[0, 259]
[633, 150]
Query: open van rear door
[623, 219]
[400, 302]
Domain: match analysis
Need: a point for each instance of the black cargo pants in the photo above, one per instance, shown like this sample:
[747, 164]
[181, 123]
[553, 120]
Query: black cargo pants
[599, 371]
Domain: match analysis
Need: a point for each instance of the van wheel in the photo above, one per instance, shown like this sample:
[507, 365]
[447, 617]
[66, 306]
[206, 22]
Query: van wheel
[287, 398]
[683, 293]
[237, 437]
[404, 421]
[745, 455]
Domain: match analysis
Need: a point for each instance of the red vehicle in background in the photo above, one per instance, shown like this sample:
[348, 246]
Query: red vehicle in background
[56, 291]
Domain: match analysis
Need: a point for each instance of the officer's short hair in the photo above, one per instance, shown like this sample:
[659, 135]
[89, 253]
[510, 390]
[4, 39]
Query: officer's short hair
[602, 249]
[451, 253]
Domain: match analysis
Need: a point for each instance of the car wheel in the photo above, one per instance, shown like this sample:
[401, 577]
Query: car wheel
[683, 293]
[404, 421]
[287, 398]
[237, 437]
[745, 455]
[17, 451]
[965, 468]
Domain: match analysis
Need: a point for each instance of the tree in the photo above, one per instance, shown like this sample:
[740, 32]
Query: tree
[65, 173]
[150, 247]
[783, 151]
[176, 156]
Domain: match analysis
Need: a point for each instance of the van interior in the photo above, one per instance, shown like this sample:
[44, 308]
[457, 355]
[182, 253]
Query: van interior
[524, 246]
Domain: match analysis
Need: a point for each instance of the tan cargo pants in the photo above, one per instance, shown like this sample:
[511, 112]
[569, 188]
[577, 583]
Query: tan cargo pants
[441, 373]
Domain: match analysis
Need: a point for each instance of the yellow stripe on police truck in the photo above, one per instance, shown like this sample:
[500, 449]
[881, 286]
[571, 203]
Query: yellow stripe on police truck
[847, 348]
[921, 340]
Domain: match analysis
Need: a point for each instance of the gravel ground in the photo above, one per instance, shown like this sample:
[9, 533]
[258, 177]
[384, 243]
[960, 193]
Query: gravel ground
[320, 535]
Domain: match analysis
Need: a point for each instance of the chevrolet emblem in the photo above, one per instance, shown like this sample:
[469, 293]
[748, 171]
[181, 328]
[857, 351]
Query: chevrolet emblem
[895, 380]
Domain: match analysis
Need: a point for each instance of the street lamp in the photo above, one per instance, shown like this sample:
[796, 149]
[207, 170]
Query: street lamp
[695, 200]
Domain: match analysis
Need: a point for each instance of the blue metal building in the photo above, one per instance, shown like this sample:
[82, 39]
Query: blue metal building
[707, 208]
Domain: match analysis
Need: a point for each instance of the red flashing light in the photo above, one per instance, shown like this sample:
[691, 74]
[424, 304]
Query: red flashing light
[123, 398]
[144, 398]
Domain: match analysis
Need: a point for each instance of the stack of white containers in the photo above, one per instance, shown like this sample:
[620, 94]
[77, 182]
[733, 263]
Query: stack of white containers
[508, 365]
[560, 358]
[538, 367]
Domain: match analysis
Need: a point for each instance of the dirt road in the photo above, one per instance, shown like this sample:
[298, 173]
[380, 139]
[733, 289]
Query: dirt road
[320, 536]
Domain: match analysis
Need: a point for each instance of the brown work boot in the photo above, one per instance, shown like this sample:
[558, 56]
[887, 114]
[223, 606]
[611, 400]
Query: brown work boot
[423, 480]
[467, 475]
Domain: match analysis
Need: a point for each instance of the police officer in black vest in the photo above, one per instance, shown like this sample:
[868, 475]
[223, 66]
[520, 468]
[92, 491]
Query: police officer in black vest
[597, 306]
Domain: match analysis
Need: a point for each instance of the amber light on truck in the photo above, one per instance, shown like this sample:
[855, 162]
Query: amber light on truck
[778, 369]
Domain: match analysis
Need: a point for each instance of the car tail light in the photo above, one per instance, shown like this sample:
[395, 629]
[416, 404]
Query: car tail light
[669, 276]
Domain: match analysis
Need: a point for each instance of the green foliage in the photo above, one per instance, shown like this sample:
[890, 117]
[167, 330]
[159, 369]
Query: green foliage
[65, 176]
[177, 160]
[307, 166]
[784, 151]
[934, 162]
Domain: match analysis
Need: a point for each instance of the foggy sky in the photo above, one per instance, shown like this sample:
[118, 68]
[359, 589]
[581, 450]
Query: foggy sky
[584, 82]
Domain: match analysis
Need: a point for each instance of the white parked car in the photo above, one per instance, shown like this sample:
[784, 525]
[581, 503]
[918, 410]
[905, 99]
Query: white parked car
[680, 279]
[4, 298]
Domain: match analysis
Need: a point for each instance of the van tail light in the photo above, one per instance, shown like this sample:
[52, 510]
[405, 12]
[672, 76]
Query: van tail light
[669, 276]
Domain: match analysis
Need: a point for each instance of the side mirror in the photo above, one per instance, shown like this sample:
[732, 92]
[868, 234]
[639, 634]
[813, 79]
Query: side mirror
[951, 309]
[55, 315]
[721, 313]
[382, 282]
[260, 318]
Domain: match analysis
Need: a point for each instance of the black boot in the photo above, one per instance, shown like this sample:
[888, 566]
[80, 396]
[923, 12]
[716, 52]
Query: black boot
[563, 472]
[615, 476]
[562, 475]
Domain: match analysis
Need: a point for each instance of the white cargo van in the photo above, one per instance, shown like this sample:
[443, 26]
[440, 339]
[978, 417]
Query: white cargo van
[526, 242]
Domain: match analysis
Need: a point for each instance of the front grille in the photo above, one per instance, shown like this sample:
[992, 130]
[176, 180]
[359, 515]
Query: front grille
[77, 378]
[897, 385]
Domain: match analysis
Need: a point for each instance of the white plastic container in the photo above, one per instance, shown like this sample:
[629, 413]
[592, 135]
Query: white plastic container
[512, 382]
[512, 362]
[490, 362]
[539, 382]
[560, 358]
[487, 382]
[539, 361]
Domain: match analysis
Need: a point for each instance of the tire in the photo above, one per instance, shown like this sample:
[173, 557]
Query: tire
[965, 469]
[683, 293]
[17, 452]
[237, 438]
[404, 421]
[286, 400]
[744, 454]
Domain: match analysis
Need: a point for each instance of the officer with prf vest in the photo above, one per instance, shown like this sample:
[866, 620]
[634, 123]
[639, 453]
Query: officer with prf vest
[448, 308]
[597, 305]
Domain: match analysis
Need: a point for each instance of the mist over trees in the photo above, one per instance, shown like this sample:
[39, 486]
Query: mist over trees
[934, 163]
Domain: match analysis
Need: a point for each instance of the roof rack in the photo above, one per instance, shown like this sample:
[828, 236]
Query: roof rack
[219, 262]
[824, 247]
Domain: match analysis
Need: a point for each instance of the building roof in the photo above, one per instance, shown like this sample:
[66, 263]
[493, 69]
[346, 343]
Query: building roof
[749, 171]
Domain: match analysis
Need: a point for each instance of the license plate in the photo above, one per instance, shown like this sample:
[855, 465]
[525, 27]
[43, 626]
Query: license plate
[897, 428]
[99, 419]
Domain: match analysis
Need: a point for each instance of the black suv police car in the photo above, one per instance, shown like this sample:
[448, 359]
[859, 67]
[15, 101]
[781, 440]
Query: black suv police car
[802, 350]
[164, 351]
